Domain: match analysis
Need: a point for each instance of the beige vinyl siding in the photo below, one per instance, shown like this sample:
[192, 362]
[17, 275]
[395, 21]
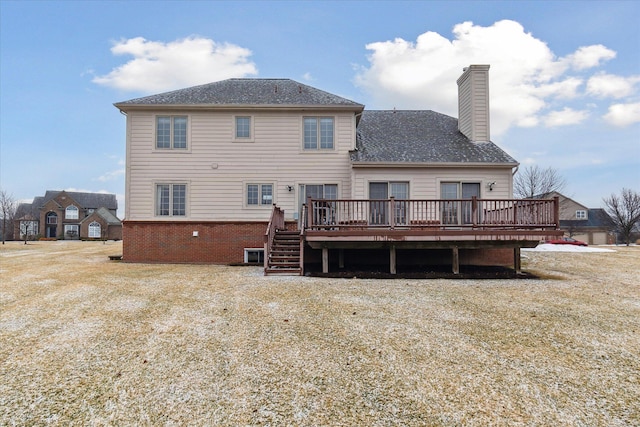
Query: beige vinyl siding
[216, 168]
[473, 103]
[424, 183]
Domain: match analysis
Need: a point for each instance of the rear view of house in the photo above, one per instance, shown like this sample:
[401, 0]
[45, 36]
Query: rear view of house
[277, 171]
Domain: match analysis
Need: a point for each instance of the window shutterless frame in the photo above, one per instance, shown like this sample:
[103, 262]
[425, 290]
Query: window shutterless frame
[318, 133]
[171, 132]
[171, 199]
[259, 194]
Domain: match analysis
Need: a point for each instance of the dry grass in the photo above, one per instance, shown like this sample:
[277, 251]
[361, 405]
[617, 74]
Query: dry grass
[88, 341]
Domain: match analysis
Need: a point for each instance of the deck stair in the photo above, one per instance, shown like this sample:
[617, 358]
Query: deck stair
[284, 257]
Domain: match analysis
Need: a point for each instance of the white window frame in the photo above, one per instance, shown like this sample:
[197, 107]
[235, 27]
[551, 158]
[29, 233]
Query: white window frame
[74, 209]
[51, 218]
[318, 134]
[172, 130]
[581, 214]
[92, 230]
[30, 228]
[261, 202]
[260, 252]
[71, 227]
[237, 138]
[171, 201]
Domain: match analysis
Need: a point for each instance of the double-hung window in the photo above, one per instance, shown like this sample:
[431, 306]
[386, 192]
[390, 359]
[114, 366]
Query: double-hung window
[171, 132]
[318, 133]
[243, 128]
[71, 212]
[259, 194]
[171, 199]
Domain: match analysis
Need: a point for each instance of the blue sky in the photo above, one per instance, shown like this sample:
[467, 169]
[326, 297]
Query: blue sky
[565, 76]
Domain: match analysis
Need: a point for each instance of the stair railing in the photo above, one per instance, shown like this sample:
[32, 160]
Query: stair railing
[276, 222]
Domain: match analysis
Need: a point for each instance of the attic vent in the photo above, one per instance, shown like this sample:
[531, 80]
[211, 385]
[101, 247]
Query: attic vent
[275, 88]
[299, 89]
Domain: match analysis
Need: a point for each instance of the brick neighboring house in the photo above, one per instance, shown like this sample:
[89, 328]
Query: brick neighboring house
[593, 226]
[69, 215]
[277, 171]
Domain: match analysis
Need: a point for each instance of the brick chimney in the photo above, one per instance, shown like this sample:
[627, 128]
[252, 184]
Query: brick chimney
[473, 103]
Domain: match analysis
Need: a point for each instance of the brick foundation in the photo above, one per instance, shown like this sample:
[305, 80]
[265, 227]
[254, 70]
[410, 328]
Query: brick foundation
[173, 242]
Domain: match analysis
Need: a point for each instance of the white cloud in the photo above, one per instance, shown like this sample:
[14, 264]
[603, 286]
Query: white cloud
[158, 66]
[565, 117]
[111, 175]
[623, 114]
[604, 85]
[307, 77]
[590, 56]
[526, 78]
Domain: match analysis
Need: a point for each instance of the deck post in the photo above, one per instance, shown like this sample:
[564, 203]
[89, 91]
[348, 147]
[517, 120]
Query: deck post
[341, 258]
[517, 262]
[456, 260]
[392, 259]
[325, 260]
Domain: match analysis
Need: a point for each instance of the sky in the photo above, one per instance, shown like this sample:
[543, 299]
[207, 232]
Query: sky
[564, 76]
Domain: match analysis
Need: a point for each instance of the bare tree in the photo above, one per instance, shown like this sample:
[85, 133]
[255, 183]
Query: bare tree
[534, 181]
[7, 210]
[624, 211]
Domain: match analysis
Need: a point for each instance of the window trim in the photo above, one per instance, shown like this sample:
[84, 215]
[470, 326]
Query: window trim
[318, 148]
[259, 205]
[66, 212]
[251, 137]
[172, 147]
[92, 226]
[582, 214]
[51, 218]
[156, 200]
[74, 227]
[246, 254]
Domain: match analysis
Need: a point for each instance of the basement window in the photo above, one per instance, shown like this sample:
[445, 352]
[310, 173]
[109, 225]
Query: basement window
[254, 255]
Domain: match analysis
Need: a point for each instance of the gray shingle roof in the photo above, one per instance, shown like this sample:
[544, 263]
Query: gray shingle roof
[597, 217]
[110, 218]
[405, 136]
[245, 92]
[86, 200]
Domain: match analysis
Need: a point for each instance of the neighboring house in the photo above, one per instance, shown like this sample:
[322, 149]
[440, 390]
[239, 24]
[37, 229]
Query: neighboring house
[69, 215]
[593, 226]
[216, 173]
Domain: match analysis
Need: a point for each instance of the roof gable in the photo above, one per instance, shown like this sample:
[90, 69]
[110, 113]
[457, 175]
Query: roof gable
[409, 136]
[245, 93]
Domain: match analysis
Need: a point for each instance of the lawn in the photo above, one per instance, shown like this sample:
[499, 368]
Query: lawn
[88, 341]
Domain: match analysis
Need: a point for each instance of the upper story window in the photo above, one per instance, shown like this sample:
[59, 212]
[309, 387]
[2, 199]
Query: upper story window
[318, 133]
[71, 212]
[581, 214]
[243, 128]
[52, 218]
[171, 132]
[171, 199]
[259, 194]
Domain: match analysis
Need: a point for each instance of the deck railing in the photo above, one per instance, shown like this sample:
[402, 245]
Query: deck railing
[325, 214]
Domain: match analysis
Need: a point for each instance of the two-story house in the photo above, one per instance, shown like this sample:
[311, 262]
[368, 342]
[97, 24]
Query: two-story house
[239, 169]
[591, 225]
[69, 215]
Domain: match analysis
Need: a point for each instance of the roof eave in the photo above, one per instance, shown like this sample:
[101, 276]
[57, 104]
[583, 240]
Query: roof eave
[359, 164]
[238, 107]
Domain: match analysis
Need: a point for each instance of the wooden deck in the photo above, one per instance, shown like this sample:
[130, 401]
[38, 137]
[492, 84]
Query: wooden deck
[427, 224]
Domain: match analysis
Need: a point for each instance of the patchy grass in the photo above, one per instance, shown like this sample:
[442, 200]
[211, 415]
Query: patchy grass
[85, 340]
